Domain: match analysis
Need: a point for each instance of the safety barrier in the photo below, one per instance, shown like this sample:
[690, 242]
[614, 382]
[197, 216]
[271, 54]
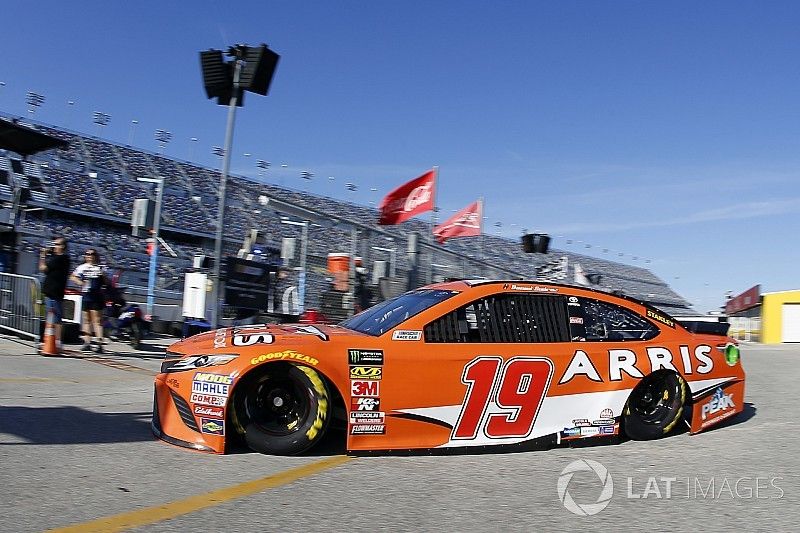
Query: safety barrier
[21, 308]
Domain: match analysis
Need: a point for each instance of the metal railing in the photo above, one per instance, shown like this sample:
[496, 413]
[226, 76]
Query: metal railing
[21, 307]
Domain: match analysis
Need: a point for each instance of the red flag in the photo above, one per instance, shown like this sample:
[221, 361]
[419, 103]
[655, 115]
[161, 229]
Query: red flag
[408, 200]
[465, 223]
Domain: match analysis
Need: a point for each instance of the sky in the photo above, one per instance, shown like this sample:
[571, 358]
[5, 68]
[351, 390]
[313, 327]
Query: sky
[635, 131]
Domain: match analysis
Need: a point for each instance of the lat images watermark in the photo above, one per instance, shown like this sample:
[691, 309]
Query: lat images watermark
[662, 487]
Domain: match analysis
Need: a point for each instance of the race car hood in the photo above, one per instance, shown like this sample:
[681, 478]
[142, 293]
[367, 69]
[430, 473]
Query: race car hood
[240, 338]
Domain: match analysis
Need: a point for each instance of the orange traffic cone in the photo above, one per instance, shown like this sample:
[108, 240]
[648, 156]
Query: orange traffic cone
[49, 342]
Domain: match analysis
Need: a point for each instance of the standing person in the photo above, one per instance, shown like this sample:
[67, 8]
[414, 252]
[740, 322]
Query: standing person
[54, 262]
[91, 277]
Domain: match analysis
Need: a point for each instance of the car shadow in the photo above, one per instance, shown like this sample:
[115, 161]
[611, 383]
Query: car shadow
[747, 413]
[72, 425]
[333, 443]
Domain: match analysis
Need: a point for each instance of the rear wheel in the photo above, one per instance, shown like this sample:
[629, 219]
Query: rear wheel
[655, 407]
[284, 410]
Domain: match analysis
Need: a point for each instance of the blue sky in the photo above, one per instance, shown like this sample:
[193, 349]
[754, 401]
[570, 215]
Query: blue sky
[664, 131]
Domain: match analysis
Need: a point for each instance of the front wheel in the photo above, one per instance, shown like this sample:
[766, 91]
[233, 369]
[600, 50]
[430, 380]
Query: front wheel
[655, 406]
[282, 411]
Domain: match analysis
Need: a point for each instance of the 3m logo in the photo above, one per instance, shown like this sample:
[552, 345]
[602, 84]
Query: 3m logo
[366, 372]
[365, 388]
[365, 404]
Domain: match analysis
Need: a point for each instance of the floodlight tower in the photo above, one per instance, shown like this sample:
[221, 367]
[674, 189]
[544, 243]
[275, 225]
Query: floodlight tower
[251, 69]
[34, 100]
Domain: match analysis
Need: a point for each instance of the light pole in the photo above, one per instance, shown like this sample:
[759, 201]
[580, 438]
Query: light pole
[306, 175]
[223, 184]
[101, 119]
[392, 258]
[301, 279]
[263, 166]
[151, 278]
[132, 132]
[192, 144]
[163, 137]
[70, 106]
[34, 100]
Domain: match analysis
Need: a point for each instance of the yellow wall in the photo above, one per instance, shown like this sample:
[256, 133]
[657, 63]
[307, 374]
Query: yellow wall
[772, 316]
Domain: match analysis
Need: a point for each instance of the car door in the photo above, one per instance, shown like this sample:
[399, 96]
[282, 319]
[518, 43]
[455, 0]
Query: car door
[483, 371]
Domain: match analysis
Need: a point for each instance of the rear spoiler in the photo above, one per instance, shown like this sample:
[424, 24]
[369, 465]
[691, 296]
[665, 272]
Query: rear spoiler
[706, 328]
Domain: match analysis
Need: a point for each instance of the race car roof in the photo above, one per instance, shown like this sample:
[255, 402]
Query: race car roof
[453, 283]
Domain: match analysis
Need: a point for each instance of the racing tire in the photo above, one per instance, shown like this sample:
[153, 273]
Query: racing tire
[655, 406]
[284, 410]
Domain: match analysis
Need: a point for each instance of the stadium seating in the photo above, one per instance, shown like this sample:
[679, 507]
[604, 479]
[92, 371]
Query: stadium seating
[89, 187]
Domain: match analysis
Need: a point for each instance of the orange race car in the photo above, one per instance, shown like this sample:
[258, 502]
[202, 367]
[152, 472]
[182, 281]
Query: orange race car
[461, 365]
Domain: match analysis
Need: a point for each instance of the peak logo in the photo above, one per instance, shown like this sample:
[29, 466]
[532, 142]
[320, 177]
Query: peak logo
[719, 402]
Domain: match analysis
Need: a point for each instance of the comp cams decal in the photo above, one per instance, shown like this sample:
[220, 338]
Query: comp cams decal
[208, 399]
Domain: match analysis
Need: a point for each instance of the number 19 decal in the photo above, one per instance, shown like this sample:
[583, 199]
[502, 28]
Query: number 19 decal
[517, 388]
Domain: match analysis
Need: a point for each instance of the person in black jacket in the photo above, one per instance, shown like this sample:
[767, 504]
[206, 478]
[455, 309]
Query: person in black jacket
[54, 262]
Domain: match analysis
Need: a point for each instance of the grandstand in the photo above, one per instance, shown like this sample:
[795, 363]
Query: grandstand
[86, 191]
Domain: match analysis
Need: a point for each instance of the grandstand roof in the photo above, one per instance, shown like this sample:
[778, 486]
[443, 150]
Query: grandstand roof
[24, 140]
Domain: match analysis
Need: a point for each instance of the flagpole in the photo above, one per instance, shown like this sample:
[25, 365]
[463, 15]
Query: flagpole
[433, 222]
[480, 218]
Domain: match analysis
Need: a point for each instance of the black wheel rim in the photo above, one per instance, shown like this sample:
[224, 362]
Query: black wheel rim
[652, 401]
[278, 403]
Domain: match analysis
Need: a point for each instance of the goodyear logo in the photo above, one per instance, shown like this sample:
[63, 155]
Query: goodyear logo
[664, 320]
[286, 354]
[366, 372]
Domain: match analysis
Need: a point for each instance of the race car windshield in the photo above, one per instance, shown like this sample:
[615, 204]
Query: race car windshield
[386, 315]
